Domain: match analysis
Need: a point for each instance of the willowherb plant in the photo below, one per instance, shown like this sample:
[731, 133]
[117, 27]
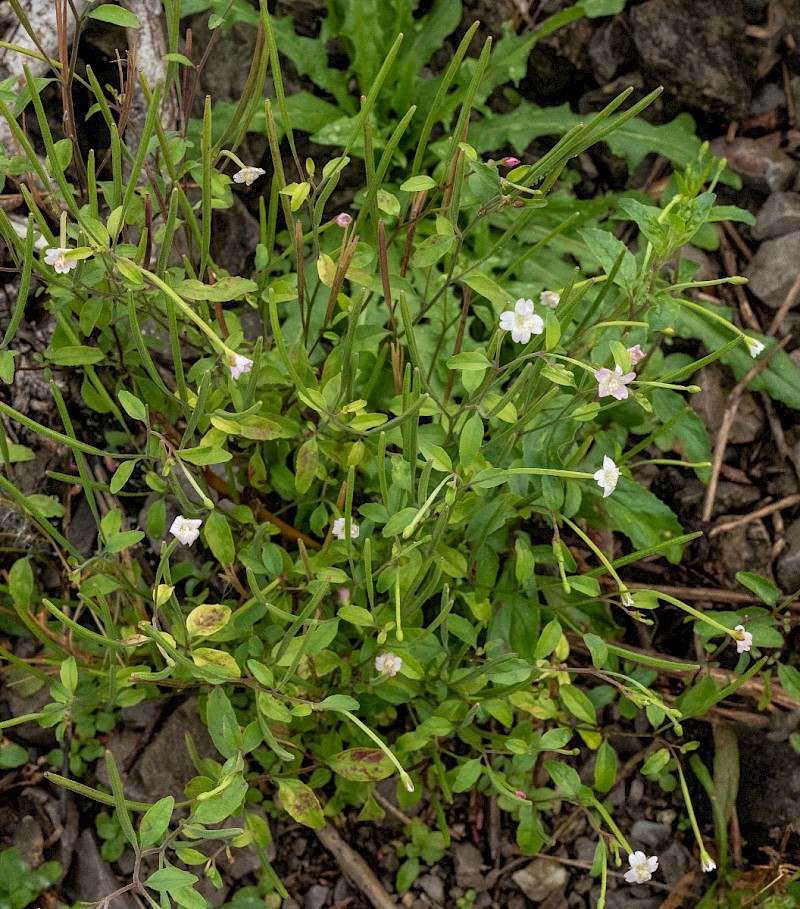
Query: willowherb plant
[394, 478]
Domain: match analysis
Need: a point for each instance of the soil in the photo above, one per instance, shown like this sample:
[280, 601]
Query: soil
[734, 65]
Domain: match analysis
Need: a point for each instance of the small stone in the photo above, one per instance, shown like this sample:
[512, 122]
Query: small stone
[779, 215]
[29, 840]
[788, 567]
[91, 877]
[541, 878]
[760, 164]
[650, 836]
[611, 50]
[468, 863]
[674, 861]
[316, 896]
[773, 269]
[747, 545]
[433, 886]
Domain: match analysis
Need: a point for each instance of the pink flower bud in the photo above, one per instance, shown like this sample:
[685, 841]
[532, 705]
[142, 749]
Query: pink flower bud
[520, 794]
[510, 161]
[343, 220]
[517, 203]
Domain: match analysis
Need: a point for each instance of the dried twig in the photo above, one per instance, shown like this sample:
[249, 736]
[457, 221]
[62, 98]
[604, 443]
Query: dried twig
[787, 502]
[355, 869]
[734, 399]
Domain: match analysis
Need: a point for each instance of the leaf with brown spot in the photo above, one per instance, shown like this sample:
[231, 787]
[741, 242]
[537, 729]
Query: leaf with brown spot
[301, 803]
[363, 765]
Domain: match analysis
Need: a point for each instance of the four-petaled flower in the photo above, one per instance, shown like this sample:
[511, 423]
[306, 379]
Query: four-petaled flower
[185, 530]
[607, 477]
[706, 862]
[248, 175]
[343, 219]
[754, 346]
[239, 365]
[57, 257]
[391, 664]
[613, 382]
[744, 640]
[550, 298]
[636, 354]
[642, 868]
[338, 529]
[522, 322]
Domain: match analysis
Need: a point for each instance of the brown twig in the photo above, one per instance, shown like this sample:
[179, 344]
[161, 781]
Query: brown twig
[787, 304]
[787, 502]
[219, 485]
[734, 399]
[401, 816]
[355, 869]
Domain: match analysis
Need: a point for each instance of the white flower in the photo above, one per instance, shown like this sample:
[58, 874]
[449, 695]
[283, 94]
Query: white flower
[754, 347]
[239, 365]
[248, 175]
[642, 868]
[338, 529]
[613, 383]
[186, 530]
[627, 599]
[522, 322]
[706, 862]
[390, 664]
[744, 640]
[635, 353]
[607, 478]
[57, 257]
[550, 298]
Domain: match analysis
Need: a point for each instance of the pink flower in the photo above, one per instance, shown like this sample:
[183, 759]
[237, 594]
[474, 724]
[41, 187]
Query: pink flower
[744, 640]
[343, 220]
[636, 354]
[613, 383]
[510, 161]
[239, 365]
[520, 794]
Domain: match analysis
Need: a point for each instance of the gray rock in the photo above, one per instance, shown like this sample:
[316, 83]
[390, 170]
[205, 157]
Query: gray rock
[164, 767]
[779, 215]
[767, 98]
[91, 877]
[433, 887]
[773, 269]
[788, 566]
[611, 50]
[704, 67]
[759, 162]
[649, 836]
[674, 862]
[122, 746]
[28, 838]
[20, 703]
[468, 863]
[316, 896]
[729, 497]
[541, 878]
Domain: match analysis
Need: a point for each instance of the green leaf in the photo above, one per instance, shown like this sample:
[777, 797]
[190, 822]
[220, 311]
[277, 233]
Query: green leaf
[605, 768]
[166, 879]
[431, 250]
[222, 804]
[643, 518]
[132, 406]
[469, 360]
[356, 615]
[226, 289]
[207, 619]
[300, 802]
[69, 674]
[121, 476]
[338, 702]
[363, 765]
[306, 465]
[578, 704]
[220, 661]
[416, 184]
[75, 355]
[656, 762]
[12, 755]
[219, 538]
[20, 583]
[761, 587]
[565, 777]
[204, 455]
[115, 15]
[790, 680]
[548, 639]
[156, 821]
[468, 775]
